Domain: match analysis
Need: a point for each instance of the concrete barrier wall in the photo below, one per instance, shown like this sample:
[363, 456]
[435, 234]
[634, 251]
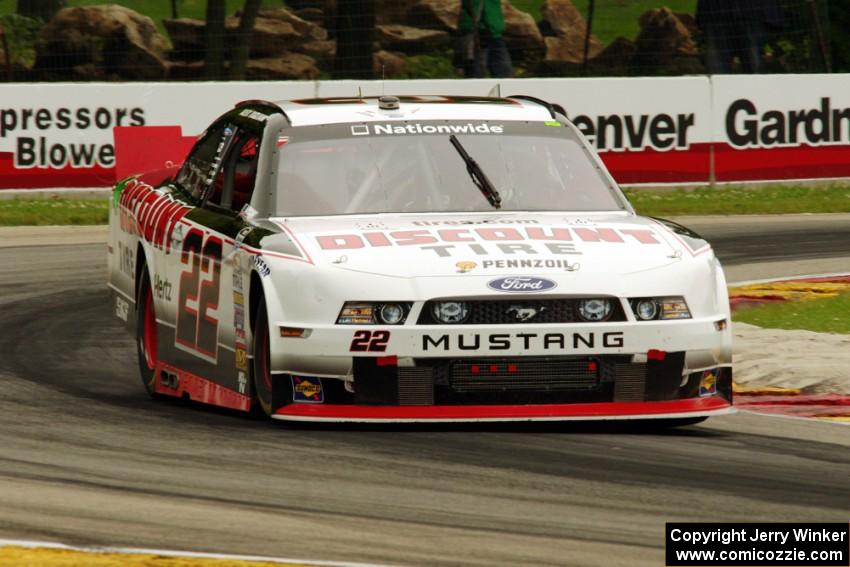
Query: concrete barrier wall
[648, 130]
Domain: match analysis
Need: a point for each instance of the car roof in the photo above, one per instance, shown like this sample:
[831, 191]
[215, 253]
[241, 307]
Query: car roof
[315, 111]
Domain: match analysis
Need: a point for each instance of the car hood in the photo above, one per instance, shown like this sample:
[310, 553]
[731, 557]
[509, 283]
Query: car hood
[408, 245]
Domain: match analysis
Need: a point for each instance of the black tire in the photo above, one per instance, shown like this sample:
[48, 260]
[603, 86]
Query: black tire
[146, 334]
[657, 424]
[261, 368]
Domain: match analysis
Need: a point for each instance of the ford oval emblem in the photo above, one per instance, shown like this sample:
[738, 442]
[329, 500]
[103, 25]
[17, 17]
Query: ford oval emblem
[521, 284]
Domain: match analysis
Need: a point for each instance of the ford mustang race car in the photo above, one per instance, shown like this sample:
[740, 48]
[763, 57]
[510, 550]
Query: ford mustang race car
[402, 259]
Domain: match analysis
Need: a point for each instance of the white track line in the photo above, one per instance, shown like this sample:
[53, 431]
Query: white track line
[172, 553]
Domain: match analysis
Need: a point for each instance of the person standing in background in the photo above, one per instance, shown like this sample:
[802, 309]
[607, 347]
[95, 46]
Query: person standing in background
[736, 28]
[480, 28]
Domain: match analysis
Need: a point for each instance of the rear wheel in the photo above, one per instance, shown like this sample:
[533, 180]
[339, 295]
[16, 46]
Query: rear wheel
[146, 334]
[262, 363]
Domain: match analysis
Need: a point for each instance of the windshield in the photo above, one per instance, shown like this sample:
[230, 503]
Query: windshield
[404, 167]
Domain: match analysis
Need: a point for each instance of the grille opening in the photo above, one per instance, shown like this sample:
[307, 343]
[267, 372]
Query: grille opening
[519, 311]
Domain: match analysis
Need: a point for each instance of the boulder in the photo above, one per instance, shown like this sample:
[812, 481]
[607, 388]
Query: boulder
[410, 40]
[389, 65]
[523, 37]
[187, 38]
[663, 38]
[560, 17]
[565, 30]
[276, 31]
[118, 39]
[390, 12]
[312, 15]
[616, 55]
[186, 71]
[321, 50]
[270, 37]
[307, 30]
[433, 14]
[289, 66]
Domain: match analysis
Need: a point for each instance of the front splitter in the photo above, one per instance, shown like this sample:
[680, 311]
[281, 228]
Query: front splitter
[672, 409]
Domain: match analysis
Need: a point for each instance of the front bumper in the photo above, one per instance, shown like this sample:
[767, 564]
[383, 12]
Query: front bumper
[330, 350]
[672, 409]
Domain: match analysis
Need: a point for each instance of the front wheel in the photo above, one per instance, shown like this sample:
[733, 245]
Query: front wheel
[146, 334]
[262, 362]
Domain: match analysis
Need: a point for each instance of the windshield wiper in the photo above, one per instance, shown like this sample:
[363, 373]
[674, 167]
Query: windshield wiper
[477, 175]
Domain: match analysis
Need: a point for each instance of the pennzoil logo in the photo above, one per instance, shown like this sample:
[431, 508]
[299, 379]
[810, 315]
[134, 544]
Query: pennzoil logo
[307, 389]
[464, 267]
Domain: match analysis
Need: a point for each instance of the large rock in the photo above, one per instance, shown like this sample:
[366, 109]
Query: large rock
[566, 29]
[321, 50]
[289, 66]
[118, 39]
[269, 37]
[389, 65]
[663, 39]
[390, 11]
[186, 71]
[308, 31]
[433, 14]
[523, 37]
[187, 38]
[410, 40]
[276, 31]
[617, 55]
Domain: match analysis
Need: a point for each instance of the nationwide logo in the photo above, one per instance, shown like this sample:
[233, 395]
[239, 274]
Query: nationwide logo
[521, 284]
[416, 128]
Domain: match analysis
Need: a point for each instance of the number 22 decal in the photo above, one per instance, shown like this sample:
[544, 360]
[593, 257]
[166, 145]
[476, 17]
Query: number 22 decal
[200, 284]
[370, 341]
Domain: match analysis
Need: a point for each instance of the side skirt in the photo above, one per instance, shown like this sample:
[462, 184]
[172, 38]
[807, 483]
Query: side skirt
[171, 381]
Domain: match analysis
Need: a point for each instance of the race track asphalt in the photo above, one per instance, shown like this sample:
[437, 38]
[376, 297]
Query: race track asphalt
[87, 458]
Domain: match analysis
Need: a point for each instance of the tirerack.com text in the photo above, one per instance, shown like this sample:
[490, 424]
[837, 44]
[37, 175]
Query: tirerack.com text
[757, 544]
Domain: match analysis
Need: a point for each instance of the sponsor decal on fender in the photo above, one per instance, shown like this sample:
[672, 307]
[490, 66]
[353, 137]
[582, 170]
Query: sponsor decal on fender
[122, 308]
[307, 389]
[150, 213]
[521, 284]
[241, 357]
[708, 383]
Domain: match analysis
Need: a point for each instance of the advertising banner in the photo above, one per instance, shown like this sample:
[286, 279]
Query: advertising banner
[776, 127]
[651, 130]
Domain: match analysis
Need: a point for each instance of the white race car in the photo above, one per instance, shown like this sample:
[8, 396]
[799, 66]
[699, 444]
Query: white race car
[403, 259]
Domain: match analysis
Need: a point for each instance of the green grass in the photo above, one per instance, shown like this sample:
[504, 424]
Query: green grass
[827, 315]
[741, 200]
[157, 10]
[650, 202]
[20, 212]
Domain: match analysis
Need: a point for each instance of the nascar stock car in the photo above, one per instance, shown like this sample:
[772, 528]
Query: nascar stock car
[413, 259]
